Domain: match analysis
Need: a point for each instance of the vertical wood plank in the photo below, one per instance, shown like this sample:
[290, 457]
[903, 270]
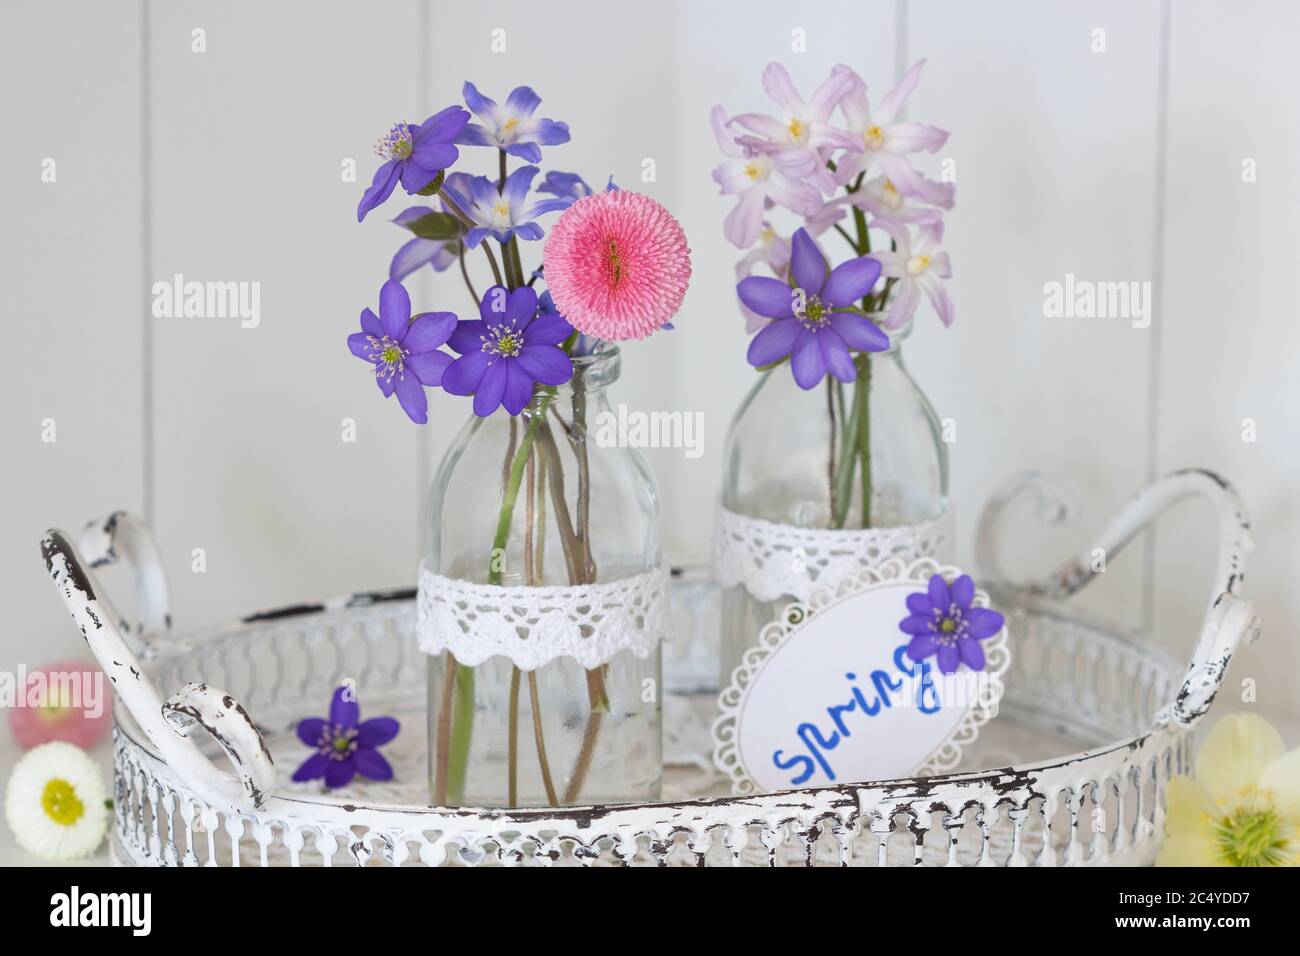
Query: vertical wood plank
[1230, 336]
[719, 58]
[252, 135]
[1054, 147]
[71, 296]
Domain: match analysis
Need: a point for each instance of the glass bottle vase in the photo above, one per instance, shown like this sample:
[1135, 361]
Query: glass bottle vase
[534, 525]
[797, 485]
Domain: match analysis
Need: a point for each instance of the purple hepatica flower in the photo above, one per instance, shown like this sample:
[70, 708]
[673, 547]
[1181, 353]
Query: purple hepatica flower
[942, 622]
[415, 155]
[507, 351]
[511, 127]
[819, 338]
[345, 744]
[405, 353]
[503, 215]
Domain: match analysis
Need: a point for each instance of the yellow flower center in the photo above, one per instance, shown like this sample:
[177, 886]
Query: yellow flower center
[753, 170]
[615, 263]
[341, 744]
[509, 125]
[61, 803]
[391, 354]
[918, 264]
[874, 137]
[890, 194]
[1253, 835]
[796, 129]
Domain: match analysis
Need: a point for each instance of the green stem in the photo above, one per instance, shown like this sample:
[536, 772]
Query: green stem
[862, 398]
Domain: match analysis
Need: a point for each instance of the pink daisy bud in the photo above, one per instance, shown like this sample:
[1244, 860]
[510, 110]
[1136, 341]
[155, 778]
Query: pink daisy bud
[617, 265]
[68, 701]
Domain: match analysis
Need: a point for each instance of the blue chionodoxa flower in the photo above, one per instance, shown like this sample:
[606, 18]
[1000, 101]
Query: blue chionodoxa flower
[511, 126]
[345, 744]
[818, 338]
[507, 351]
[404, 353]
[943, 624]
[415, 154]
[505, 214]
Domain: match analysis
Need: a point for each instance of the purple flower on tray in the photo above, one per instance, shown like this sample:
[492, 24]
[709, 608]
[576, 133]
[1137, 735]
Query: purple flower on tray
[345, 744]
[943, 623]
[818, 336]
[404, 353]
[507, 351]
[415, 154]
[511, 126]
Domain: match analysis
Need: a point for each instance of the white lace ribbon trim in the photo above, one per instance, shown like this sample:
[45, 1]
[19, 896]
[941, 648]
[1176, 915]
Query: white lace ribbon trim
[780, 560]
[533, 626]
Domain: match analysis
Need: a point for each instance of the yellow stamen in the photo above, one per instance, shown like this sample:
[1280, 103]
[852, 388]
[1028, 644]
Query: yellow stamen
[874, 137]
[61, 803]
[918, 264]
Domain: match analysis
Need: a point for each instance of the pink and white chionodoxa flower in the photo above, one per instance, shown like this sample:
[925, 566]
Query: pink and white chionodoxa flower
[835, 161]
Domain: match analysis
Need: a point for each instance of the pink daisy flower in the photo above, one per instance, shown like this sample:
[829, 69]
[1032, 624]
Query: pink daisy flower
[72, 704]
[617, 265]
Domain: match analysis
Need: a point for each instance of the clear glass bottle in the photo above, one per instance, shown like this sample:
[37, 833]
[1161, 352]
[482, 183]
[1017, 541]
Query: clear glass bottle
[585, 512]
[785, 462]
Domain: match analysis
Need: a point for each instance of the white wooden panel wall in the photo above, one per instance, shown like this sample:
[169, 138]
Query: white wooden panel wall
[239, 451]
[70, 283]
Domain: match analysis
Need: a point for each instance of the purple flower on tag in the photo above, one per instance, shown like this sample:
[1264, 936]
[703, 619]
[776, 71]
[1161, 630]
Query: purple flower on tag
[345, 744]
[943, 623]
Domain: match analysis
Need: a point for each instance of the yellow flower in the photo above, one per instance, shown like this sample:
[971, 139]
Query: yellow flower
[1243, 806]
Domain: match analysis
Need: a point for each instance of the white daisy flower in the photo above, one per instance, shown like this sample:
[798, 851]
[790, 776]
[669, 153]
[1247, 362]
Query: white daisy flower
[56, 804]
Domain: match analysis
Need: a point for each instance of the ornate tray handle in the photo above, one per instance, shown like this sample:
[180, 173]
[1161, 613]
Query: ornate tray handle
[123, 535]
[166, 724]
[1228, 619]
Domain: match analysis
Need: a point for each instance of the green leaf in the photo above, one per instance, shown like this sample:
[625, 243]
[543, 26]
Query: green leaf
[435, 225]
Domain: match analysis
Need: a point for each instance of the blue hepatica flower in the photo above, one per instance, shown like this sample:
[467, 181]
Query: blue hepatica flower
[506, 214]
[415, 154]
[943, 624]
[512, 126]
[345, 744]
[506, 351]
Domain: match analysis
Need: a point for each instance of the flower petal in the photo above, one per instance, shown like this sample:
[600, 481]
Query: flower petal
[380, 188]
[377, 731]
[972, 655]
[429, 331]
[940, 599]
[982, 623]
[310, 729]
[773, 342]
[519, 387]
[549, 328]
[835, 354]
[915, 624]
[394, 309]
[806, 361]
[410, 395]
[415, 253]
[767, 296]
[859, 332]
[806, 264]
[547, 364]
[517, 184]
[963, 591]
[1281, 778]
[1188, 808]
[428, 367]
[491, 389]
[371, 763]
[850, 281]
[1234, 755]
[468, 336]
[495, 305]
[370, 323]
[949, 659]
[462, 376]
[313, 768]
[1189, 849]
[919, 603]
[522, 306]
[922, 646]
[344, 712]
[442, 126]
[359, 343]
[339, 773]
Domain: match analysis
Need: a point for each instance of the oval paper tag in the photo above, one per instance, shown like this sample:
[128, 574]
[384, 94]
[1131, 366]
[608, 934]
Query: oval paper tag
[833, 693]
